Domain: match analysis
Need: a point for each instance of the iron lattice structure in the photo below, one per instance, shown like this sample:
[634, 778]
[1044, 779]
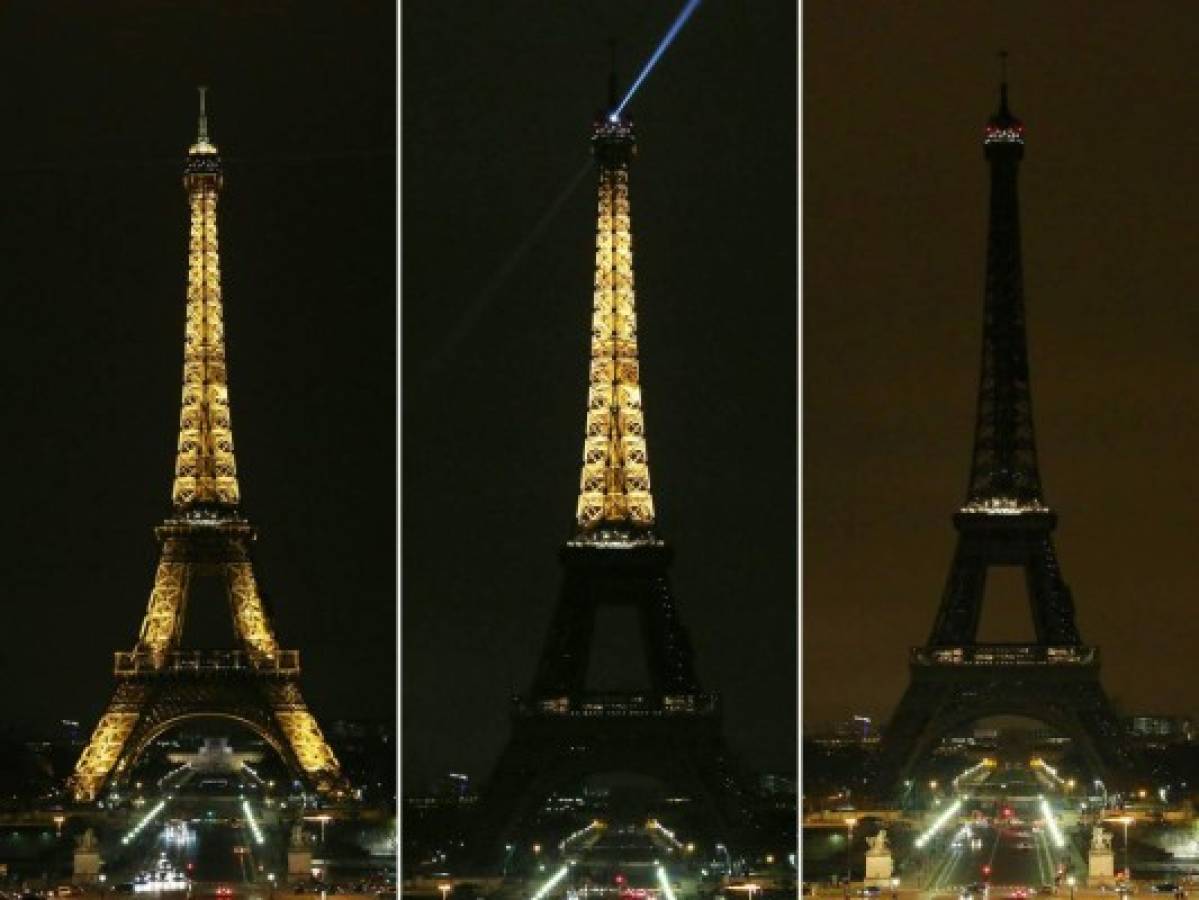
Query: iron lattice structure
[614, 487]
[158, 683]
[562, 729]
[1004, 522]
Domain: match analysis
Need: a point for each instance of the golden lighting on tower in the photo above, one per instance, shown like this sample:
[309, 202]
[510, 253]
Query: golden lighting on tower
[614, 486]
[205, 470]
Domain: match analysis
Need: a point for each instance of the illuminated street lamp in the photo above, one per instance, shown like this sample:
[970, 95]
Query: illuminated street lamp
[1070, 881]
[849, 824]
[324, 820]
[445, 890]
[58, 820]
[1126, 821]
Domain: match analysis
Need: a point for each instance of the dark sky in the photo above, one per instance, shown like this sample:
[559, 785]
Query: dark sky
[497, 103]
[98, 106]
[894, 215]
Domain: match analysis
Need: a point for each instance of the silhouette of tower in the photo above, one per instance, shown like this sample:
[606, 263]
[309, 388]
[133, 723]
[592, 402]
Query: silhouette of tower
[1004, 522]
[562, 729]
[158, 684]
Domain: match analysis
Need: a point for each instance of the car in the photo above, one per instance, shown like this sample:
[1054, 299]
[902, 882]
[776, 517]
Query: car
[870, 891]
[1165, 887]
[224, 890]
[1018, 893]
[125, 887]
[1047, 889]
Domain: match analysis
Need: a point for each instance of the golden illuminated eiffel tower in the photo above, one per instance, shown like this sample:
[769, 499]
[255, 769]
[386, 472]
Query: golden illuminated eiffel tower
[158, 684]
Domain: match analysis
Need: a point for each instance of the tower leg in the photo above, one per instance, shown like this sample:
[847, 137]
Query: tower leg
[304, 739]
[104, 751]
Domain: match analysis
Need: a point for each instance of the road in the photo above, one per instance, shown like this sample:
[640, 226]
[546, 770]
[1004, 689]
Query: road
[1011, 849]
[1003, 855]
[221, 852]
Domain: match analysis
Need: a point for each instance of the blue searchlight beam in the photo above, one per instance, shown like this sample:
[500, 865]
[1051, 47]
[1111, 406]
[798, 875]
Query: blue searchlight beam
[666, 41]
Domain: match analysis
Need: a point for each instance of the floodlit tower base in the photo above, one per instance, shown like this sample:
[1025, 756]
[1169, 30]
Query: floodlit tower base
[204, 684]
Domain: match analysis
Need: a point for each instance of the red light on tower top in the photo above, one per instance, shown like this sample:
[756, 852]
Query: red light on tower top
[1003, 128]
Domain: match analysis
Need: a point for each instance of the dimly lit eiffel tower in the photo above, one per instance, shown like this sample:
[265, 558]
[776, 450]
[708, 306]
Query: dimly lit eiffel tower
[563, 730]
[158, 684]
[1004, 522]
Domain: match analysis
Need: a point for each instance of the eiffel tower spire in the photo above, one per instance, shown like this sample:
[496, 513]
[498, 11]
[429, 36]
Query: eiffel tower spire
[205, 469]
[1003, 474]
[614, 490]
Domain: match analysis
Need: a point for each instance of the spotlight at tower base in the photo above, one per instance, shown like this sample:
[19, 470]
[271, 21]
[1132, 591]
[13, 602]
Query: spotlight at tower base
[667, 40]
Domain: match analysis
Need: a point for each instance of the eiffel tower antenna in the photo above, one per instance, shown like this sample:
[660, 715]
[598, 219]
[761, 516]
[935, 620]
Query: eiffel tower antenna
[202, 126]
[613, 97]
[159, 683]
[1003, 82]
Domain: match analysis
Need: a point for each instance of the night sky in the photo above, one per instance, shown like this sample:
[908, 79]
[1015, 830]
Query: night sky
[895, 194]
[98, 105]
[497, 104]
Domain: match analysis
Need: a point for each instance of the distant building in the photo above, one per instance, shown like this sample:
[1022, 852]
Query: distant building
[772, 785]
[855, 731]
[215, 756]
[1162, 729]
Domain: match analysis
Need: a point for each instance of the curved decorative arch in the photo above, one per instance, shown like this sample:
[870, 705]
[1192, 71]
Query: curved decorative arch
[137, 747]
[1049, 713]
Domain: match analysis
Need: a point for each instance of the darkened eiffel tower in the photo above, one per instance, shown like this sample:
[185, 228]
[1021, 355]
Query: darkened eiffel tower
[160, 685]
[562, 730]
[1004, 522]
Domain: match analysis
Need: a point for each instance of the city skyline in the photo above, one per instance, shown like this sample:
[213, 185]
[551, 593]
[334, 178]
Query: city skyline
[887, 445]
